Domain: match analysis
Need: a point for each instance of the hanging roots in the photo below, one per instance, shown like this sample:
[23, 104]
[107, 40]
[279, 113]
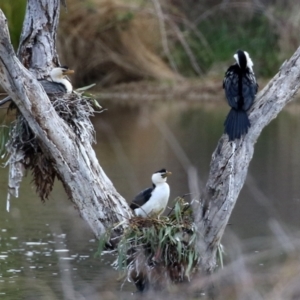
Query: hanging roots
[24, 149]
[156, 252]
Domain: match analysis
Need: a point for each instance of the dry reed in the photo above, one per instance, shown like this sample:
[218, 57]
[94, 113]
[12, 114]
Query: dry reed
[111, 41]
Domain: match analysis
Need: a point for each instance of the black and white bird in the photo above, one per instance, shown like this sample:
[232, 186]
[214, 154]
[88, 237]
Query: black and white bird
[57, 83]
[153, 201]
[240, 89]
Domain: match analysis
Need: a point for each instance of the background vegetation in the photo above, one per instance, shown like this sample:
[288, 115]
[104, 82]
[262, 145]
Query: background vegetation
[14, 12]
[112, 41]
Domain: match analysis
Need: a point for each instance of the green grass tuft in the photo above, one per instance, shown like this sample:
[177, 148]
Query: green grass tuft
[4, 137]
[169, 242]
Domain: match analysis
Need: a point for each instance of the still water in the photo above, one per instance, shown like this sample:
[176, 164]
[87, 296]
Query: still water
[48, 252]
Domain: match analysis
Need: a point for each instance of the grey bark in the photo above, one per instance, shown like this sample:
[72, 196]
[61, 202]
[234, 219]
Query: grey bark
[98, 202]
[230, 161]
[37, 48]
[37, 52]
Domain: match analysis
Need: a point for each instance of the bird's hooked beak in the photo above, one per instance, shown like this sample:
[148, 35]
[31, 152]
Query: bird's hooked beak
[68, 72]
[166, 174]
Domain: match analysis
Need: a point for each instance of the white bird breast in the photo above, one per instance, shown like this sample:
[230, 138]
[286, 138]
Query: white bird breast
[57, 76]
[157, 204]
[68, 85]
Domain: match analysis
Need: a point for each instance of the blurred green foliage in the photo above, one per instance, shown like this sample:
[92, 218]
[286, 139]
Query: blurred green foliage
[224, 37]
[14, 11]
[224, 34]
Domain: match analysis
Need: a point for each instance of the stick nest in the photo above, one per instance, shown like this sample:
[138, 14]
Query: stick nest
[156, 252]
[24, 149]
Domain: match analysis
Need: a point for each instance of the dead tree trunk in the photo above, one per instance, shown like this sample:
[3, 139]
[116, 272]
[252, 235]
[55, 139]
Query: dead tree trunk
[75, 161]
[230, 161]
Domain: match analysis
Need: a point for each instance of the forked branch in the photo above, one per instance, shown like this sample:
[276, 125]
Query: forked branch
[85, 182]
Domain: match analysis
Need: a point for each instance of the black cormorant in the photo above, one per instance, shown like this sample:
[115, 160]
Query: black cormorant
[240, 89]
[153, 201]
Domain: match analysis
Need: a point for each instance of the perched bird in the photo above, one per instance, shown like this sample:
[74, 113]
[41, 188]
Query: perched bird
[57, 83]
[153, 201]
[240, 89]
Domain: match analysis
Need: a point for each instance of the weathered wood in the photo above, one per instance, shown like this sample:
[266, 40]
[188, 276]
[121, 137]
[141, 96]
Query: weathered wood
[37, 52]
[93, 193]
[37, 48]
[230, 161]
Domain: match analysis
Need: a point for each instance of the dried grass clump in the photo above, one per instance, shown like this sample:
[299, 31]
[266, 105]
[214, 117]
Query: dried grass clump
[25, 152]
[157, 252]
[112, 41]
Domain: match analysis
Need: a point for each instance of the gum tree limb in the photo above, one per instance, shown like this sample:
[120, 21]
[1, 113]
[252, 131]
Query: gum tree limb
[86, 184]
[230, 161]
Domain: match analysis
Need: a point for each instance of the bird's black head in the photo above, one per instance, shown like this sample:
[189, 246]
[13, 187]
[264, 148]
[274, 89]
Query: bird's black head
[64, 67]
[163, 174]
[161, 171]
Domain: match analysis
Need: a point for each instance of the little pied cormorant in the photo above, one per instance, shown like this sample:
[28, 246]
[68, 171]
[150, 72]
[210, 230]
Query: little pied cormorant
[153, 201]
[240, 89]
[57, 83]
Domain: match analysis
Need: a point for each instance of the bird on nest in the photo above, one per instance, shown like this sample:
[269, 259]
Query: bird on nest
[153, 201]
[57, 83]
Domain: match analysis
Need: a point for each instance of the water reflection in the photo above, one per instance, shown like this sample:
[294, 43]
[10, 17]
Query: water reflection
[48, 249]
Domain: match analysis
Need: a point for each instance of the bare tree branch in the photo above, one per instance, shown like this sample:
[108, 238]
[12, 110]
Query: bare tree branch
[37, 48]
[187, 48]
[164, 38]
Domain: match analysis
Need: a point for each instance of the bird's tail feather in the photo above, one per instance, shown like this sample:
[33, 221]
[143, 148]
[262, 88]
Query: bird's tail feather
[236, 124]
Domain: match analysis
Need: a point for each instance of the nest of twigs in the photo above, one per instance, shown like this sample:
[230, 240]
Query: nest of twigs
[156, 252]
[24, 149]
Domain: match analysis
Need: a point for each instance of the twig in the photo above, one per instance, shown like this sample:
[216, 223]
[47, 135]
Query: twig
[163, 33]
[187, 48]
